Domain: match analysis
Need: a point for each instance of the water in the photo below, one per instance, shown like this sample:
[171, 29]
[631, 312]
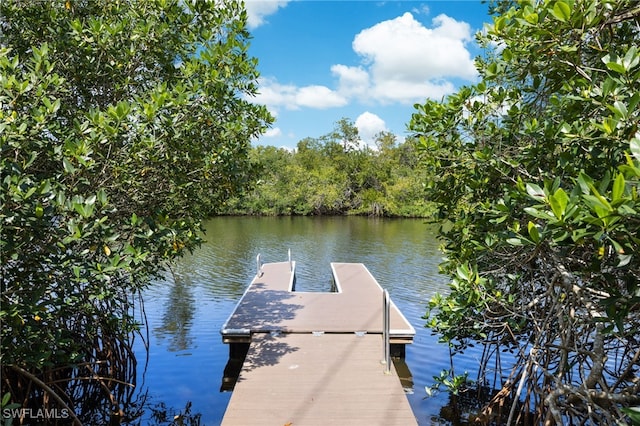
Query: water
[186, 310]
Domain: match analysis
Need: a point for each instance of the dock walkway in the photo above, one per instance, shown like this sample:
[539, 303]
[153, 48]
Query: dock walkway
[314, 358]
[271, 304]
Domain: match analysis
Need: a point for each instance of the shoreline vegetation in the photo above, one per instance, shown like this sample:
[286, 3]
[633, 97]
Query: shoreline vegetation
[335, 174]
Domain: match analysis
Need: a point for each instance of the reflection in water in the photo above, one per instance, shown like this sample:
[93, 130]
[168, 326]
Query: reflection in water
[168, 416]
[186, 313]
[177, 319]
[237, 355]
[404, 373]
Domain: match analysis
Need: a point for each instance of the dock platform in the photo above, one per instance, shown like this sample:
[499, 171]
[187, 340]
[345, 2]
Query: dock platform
[314, 358]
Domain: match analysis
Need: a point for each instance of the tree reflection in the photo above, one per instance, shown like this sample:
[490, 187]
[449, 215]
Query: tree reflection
[178, 316]
[163, 415]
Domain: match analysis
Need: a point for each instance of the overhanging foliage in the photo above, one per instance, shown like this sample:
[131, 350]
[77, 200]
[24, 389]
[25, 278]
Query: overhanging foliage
[535, 171]
[121, 126]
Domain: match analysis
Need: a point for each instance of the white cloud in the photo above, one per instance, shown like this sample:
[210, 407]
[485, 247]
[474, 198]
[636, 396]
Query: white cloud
[398, 90]
[319, 97]
[272, 133]
[276, 95]
[352, 81]
[258, 10]
[404, 48]
[402, 53]
[369, 125]
[423, 9]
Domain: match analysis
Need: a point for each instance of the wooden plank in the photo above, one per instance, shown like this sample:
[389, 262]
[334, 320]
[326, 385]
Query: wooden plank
[362, 290]
[305, 379]
[270, 305]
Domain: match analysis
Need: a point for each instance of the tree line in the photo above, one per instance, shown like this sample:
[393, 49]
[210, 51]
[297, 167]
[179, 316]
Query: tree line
[335, 174]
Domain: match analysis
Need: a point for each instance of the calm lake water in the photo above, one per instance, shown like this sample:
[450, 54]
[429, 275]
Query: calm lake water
[185, 311]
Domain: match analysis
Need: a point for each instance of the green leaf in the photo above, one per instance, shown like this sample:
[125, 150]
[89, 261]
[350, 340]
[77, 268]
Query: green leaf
[535, 191]
[634, 146]
[619, 109]
[624, 259]
[68, 167]
[79, 208]
[533, 232]
[463, 272]
[603, 201]
[609, 85]
[614, 66]
[29, 192]
[631, 58]
[539, 213]
[585, 182]
[558, 202]
[102, 196]
[609, 124]
[633, 413]
[531, 18]
[618, 188]
[501, 219]
[600, 206]
[561, 11]
[559, 238]
[499, 23]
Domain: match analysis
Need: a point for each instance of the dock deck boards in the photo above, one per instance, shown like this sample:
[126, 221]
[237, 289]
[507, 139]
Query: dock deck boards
[306, 379]
[270, 305]
[292, 374]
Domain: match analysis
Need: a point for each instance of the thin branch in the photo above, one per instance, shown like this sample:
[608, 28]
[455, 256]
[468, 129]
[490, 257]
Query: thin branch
[49, 391]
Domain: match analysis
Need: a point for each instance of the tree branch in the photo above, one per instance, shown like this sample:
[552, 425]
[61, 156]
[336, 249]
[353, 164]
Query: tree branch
[49, 391]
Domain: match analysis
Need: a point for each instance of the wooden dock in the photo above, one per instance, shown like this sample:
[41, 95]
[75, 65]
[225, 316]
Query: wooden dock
[314, 358]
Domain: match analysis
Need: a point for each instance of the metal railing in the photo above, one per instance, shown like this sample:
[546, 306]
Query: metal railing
[259, 265]
[386, 325]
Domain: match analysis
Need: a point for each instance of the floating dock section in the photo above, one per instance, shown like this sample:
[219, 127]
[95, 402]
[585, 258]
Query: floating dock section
[316, 358]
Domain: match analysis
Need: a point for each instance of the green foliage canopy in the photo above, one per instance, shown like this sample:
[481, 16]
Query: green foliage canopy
[535, 171]
[121, 126]
[336, 174]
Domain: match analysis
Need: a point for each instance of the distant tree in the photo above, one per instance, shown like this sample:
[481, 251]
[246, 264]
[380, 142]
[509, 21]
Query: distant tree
[308, 152]
[347, 134]
[535, 172]
[385, 141]
[122, 125]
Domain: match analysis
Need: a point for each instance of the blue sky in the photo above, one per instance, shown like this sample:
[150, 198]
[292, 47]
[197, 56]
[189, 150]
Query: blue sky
[368, 61]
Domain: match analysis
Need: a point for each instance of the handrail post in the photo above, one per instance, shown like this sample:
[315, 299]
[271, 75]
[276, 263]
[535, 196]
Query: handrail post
[290, 264]
[258, 265]
[386, 325]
